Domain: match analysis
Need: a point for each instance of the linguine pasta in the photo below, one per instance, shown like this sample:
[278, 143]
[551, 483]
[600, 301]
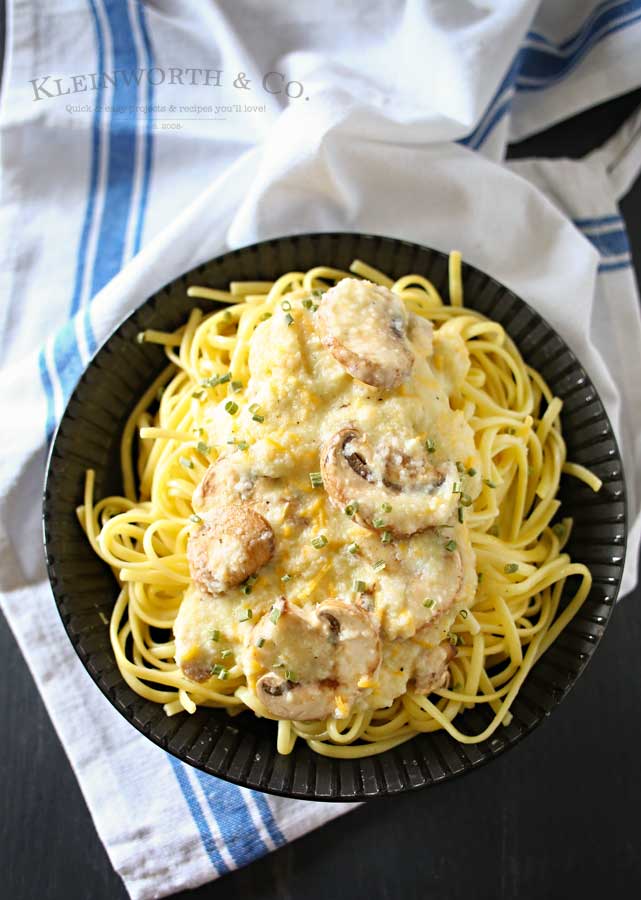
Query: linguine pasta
[520, 560]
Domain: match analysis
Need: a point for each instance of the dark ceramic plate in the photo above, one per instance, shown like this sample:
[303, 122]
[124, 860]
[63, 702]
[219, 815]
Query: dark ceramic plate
[243, 749]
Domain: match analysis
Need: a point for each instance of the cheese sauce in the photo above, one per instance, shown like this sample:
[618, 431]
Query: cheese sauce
[409, 585]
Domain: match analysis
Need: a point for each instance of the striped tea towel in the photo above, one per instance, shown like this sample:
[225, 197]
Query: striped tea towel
[139, 139]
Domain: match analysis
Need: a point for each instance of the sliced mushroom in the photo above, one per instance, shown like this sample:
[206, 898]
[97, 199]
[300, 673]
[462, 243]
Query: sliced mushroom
[312, 657]
[364, 326]
[226, 482]
[299, 702]
[431, 669]
[372, 479]
[231, 544]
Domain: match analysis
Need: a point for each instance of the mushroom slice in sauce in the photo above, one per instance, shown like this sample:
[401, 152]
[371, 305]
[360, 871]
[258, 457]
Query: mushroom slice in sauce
[387, 488]
[225, 482]
[313, 657]
[230, 544]
[364, 326]
[431, 669]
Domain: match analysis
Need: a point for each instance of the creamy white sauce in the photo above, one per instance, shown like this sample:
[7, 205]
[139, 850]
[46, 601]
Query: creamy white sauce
[306, 396]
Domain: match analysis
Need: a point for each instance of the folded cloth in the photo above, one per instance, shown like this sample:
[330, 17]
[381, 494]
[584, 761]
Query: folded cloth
[137, 142]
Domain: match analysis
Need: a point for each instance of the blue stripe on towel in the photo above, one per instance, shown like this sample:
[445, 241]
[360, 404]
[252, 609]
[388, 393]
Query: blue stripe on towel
[228, 808]
[196, 811]
[543, 66]
[267, 816]
[536, 68]
[610, 243]
[148, 146]
[614, 266]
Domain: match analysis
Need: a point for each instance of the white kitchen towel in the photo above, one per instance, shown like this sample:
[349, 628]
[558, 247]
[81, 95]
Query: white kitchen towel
[138, 140]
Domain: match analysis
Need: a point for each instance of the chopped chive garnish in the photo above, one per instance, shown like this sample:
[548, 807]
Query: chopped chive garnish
[246, 589]
[511, 568]
[316, 479]
[319, 541]
[242, 445]
[456, 487]
[274, 615]
[260, 642]
[219, 672]
[451, 545]
[254, 408]
[187, 463]
[195, 519]
[290, 675]
[202, 447]
[379, 566]
[258, 418]
[197, 394]
[351, 508]
[289, 319]
[460, 514]
[465, 500]
[386, 507]
[215, 635]
[471, 472]
[430, 446]
[317, 293]
[464, 614]
[224, 378]
[428, 603]
[286, 577]
[452, 638]
[352, 548]
[489, 483]
[245, 615]
[236, 386]
[286, 305]
[460, 468]
[231, 407]
[225, 654]
[386, 537]
[307, 303]
[266, 316]
[360, 587]
[378, 522]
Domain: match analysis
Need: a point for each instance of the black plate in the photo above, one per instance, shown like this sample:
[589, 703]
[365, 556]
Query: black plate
[243, 750]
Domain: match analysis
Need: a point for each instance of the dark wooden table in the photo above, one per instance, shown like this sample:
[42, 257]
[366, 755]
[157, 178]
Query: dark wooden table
[556, 817]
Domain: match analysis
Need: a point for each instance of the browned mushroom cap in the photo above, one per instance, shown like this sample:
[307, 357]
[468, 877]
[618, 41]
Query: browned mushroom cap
[364, 326]
[224, 483]
[350, 630]
[431, 670]
[299, 702]
[313, 656]
[231, 544]
[372, 479]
